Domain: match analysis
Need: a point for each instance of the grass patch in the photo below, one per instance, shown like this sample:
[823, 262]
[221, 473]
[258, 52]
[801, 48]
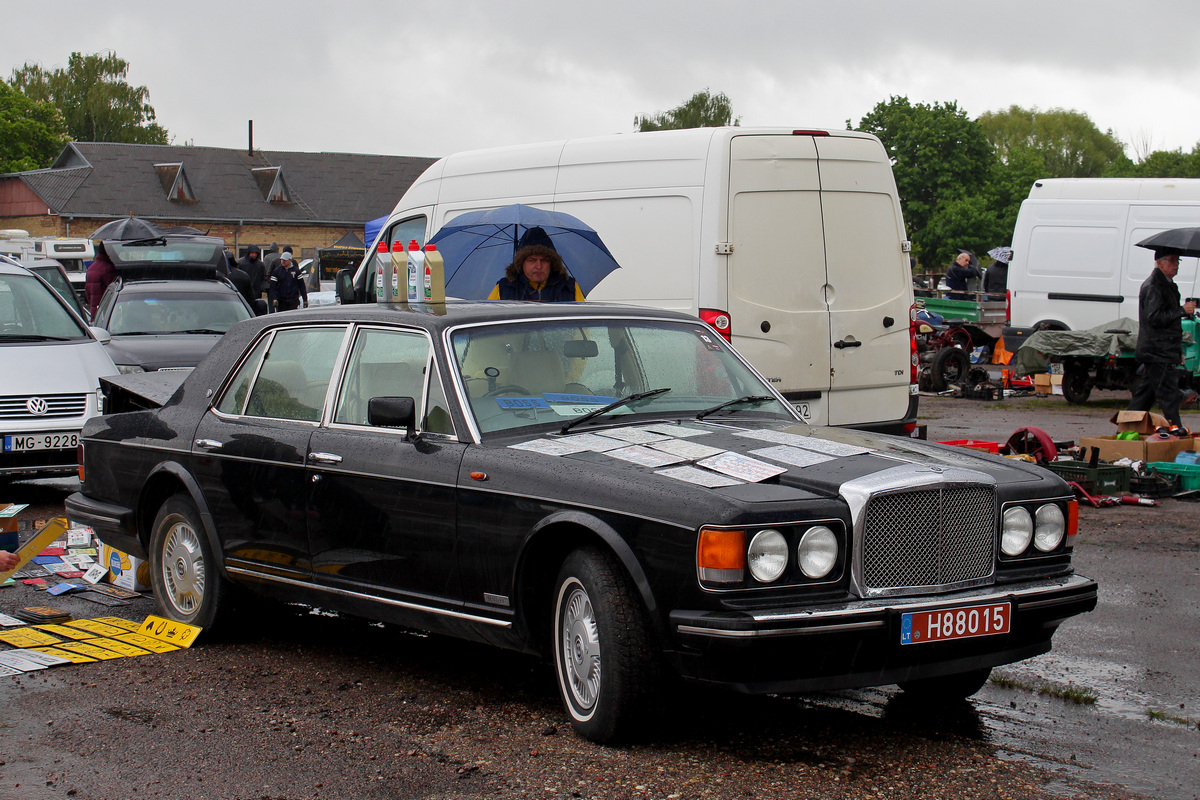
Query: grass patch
[1070, 694]
[1163, 716]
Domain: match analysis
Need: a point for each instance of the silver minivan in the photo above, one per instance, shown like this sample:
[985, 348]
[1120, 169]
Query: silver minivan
[51, 364]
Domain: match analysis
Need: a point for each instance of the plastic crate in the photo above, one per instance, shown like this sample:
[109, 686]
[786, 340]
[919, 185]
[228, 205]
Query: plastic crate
[1189, 474]
[1154, 484]
[1106, 479]
[975, 444]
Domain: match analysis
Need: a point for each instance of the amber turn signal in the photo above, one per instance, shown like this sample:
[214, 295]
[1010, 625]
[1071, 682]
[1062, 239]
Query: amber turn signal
[721, 555]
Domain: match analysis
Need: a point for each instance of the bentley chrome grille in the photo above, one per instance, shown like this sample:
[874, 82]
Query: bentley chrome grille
[932, 537]
[29, 406]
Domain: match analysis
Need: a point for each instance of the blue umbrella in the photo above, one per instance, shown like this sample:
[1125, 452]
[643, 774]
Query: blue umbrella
[477, 247]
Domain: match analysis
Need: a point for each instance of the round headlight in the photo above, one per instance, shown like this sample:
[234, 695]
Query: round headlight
[817, 552]
[767, 556]
[1018, 530]
[1050, 528]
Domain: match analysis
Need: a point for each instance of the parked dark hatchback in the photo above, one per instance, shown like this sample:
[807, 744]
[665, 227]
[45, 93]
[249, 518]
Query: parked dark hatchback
[611, 487]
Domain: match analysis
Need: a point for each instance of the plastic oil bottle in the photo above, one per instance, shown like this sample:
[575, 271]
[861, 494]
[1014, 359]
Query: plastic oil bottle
[416, 272]
[383, 270]
[435, 275]
[397, 268]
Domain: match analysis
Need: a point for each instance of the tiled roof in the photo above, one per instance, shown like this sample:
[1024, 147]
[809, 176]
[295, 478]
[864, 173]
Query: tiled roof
[94, 179]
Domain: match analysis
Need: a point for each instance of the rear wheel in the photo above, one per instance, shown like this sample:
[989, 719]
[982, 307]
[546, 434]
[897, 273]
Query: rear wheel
[949, 687]
[183, 573]
[602, 648]
[1076, 383]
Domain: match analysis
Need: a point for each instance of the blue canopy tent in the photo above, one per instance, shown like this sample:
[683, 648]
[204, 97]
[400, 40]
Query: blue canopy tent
[371, 230]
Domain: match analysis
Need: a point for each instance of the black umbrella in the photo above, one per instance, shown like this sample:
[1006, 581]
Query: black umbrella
[1180, 241]
[127, 228]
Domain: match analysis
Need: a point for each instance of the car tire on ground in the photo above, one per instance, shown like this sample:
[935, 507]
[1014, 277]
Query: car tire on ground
[948, 687]
[1076, 383]
[183, 573]
[950, 365]
[603, 659]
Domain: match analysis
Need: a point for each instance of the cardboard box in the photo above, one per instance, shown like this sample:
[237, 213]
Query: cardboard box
[1046, 383]
[124, 570]
[9, 539]
[1143, 422]
[1113, 449]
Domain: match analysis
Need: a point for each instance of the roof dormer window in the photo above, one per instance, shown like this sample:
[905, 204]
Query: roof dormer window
[175, 183]
[272, 185]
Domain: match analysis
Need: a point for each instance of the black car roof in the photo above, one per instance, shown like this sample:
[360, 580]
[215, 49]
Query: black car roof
[453, 313]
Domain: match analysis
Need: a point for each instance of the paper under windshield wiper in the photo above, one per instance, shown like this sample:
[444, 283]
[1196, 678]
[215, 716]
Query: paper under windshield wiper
[750, 398]
[624, 401]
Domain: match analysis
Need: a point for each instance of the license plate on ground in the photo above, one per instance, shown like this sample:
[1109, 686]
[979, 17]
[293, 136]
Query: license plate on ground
[946, 624]
[24, 442]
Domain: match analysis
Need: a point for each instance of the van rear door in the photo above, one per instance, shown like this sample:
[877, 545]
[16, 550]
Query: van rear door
[776, 298]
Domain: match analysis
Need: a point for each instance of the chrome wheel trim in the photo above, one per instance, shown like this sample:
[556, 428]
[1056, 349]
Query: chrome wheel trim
[183, 567]
[579, 647]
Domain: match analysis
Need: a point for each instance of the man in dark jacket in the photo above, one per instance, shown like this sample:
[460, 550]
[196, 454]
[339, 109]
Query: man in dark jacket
[961, 271]
[252, 265]
[1160, 340]
[286, 285]
[537, 273]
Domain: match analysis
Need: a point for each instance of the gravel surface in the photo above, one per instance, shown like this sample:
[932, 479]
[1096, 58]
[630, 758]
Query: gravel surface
[293, 704]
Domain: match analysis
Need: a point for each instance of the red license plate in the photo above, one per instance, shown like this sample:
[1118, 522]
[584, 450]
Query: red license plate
[955, 623]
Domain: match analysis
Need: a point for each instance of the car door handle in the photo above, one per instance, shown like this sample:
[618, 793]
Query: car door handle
[844, 343]
[209, 444]
[325, 458]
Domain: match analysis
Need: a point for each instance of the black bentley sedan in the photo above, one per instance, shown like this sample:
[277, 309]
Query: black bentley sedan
[611, 487]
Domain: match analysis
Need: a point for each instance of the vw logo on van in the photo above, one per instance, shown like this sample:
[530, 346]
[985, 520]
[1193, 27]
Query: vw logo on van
[36, 406]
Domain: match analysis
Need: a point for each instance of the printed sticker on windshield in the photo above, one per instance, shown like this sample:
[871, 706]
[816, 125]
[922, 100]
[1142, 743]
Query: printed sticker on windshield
[578, 399]
[519, 403]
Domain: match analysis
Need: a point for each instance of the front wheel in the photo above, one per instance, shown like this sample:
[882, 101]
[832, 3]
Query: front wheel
[602, 650]
[1076, 383]
[183, 573]
[949, 687]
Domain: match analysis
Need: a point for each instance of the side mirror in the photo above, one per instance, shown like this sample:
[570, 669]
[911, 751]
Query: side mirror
[345, 287]
[101, 335]
[393, 412]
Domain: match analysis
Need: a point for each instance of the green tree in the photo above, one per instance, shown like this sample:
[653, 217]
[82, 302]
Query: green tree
[32, 133]
[1159, 164]
[938, 155]
[97, 102]
[704, 110]
[1069, 143]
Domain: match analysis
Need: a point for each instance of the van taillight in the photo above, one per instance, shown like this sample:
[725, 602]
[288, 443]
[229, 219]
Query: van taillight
[1008, 307]
[810, 133]
[719, 320]
[913, 357]
[79, 459]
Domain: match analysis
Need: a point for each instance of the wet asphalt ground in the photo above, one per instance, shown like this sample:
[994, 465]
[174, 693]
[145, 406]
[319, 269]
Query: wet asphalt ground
[296, 704]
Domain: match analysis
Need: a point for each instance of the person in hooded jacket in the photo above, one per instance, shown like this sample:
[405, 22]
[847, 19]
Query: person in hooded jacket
[1159, 347]
[286, 285]
[100, 273]
[537, 273]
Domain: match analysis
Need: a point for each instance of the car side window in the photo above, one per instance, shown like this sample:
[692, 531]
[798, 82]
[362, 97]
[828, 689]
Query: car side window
[383, 363]
[404, 232]
[235, 396]
[295, 374]
[437, 413]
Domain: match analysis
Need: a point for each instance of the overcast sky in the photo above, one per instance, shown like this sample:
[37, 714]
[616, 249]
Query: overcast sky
[431, 77]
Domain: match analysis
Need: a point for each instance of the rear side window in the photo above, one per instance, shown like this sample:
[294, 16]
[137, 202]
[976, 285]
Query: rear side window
[383, 363]
[290, 380]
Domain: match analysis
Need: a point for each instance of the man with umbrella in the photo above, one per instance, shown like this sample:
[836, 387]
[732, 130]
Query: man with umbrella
[537, 273]
[1160, 340]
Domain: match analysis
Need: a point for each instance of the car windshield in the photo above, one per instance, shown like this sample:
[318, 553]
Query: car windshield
[162, 251]
[177, 312]
[29, 311]
[551, 373]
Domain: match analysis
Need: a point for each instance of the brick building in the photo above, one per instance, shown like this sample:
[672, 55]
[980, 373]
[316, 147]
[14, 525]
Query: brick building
[307, 200]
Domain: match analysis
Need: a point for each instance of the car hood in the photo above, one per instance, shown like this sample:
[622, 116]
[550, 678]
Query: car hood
[836, 455]
[162, 351]
[77, 367]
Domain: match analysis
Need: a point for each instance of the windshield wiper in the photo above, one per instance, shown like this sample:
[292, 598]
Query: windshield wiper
[203, 330]
[33, 337]
[159, 240]
[750, 398]
[136, 333]
[624, 401]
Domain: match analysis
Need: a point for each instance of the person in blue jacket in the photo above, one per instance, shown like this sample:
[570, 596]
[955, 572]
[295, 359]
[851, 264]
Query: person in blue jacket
[537, 273]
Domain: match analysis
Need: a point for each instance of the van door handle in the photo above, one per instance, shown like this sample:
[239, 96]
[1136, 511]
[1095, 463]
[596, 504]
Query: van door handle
[325, 458]
[208, 444]
[847, 342]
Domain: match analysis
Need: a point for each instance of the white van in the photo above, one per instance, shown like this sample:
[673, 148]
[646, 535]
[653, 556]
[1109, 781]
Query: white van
[1076, 263]
[793, 236]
